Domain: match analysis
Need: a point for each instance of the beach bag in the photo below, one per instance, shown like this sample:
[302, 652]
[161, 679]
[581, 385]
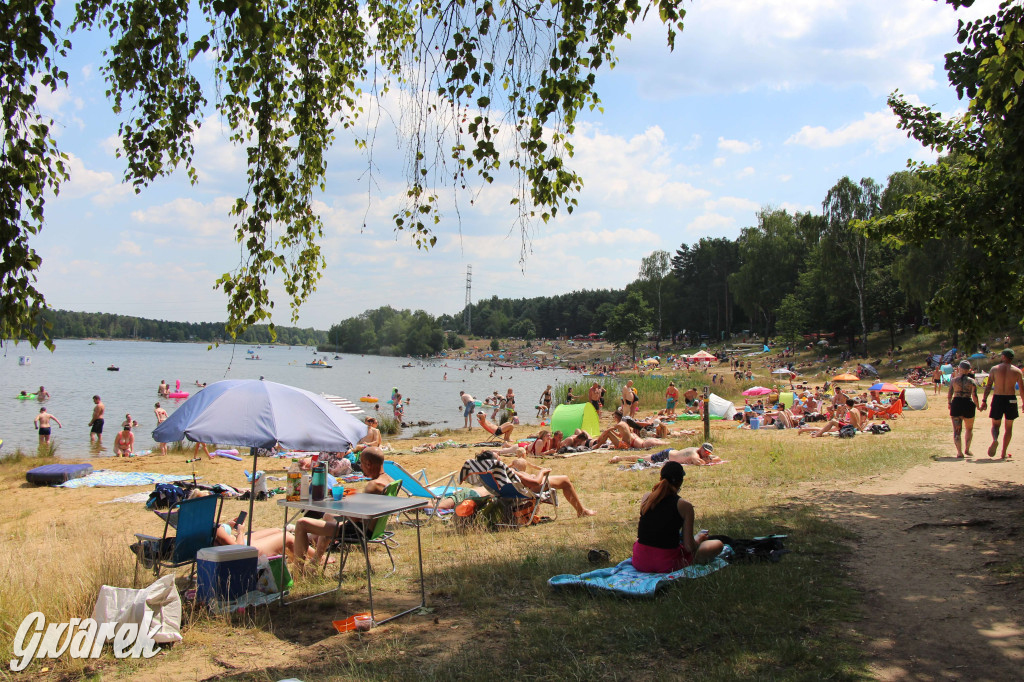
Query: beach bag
[767, 548]
[121, 605]
[848, 431]
[879, 429]
[165, 496]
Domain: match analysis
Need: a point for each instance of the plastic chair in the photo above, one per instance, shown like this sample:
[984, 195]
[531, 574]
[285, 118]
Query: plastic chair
[195, 523]
[417, 485]
[379, 535]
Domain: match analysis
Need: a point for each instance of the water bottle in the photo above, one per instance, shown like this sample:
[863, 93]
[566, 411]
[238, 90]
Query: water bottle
[318, 486]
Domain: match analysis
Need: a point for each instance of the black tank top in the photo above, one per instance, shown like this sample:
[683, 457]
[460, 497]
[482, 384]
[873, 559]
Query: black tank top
[659, 527]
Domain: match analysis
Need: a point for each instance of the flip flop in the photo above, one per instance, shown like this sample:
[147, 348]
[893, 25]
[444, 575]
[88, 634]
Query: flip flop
[992, 449]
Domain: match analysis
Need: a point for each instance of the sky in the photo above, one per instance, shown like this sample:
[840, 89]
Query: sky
[762, 103]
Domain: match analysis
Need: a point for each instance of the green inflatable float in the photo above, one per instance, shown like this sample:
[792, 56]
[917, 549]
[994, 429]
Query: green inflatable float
[568, 418]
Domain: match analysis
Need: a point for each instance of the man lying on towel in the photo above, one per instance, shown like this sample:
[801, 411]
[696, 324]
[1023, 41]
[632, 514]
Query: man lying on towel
[696, 456]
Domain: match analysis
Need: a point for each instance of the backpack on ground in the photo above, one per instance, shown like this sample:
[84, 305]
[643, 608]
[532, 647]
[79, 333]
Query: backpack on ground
[848, 431]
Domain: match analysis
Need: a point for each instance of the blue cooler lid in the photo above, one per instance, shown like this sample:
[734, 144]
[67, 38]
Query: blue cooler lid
[223, 553]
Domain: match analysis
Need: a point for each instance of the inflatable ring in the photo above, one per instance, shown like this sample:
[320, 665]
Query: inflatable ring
[30, 396]
[367, 399]
[178, 394]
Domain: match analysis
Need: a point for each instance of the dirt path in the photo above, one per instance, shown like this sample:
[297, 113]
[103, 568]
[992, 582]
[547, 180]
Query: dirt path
[932, 545]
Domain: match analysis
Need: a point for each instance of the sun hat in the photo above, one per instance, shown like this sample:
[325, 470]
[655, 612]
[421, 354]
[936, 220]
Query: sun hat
[708, 447]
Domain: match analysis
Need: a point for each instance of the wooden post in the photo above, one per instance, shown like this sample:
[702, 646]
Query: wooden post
[707, 414]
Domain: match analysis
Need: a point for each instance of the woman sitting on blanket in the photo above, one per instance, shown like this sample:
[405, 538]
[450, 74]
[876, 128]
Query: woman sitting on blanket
[665, 540]
[504, 431]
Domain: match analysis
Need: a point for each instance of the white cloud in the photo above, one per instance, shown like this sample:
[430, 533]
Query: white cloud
[203, 219]
[128, 247]
[100, 187]
[718, 162]
[710, 224]
[782, 45]
[786, 177]
[745, 173]
[878, 128]
[735, 204]
[738, 146]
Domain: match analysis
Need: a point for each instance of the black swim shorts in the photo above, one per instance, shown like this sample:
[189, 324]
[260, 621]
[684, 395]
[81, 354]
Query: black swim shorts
[596, 404]
[962, 407]
[44, 431]
[1004, 406]
[97, 426]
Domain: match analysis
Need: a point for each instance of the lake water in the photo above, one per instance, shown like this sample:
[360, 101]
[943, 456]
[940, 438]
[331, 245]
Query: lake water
[77, 370]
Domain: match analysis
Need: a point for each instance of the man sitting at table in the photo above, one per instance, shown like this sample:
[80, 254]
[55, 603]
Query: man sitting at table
[325, 529]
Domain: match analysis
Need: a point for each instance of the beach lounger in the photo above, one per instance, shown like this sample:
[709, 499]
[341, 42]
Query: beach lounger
[521, 504]
[417, 485]
[379, 535]
[195, 525]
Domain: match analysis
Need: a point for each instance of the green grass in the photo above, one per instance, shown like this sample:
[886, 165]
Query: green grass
[388, 425]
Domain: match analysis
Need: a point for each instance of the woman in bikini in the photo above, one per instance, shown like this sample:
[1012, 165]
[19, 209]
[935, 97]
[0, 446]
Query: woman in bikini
[962, 399]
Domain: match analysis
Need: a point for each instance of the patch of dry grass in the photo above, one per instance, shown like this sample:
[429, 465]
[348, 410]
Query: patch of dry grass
[489, 603]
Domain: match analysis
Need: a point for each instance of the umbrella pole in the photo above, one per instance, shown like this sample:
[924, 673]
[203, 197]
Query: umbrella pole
[252, 494]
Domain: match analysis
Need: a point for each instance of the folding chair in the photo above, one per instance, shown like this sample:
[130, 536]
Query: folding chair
[521, 505]
[195, 523]
[417, 485]
[379, 535]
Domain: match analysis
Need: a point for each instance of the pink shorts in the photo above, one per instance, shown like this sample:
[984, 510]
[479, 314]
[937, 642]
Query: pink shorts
[647, 559]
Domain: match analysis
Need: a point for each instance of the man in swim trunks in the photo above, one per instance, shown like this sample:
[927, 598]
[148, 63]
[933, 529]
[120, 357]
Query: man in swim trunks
[467, 409]
[161, 416]
[963, 401]
[699, 456]
[936, 378]
[1003, 378]
[627, 398]
[96, 432]
[690, 397]
[594, 396]
[42, 422]
[43, 395]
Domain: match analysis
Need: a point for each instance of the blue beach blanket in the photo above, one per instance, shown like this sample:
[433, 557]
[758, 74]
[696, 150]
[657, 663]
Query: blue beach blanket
[625, 580]
[119, 479]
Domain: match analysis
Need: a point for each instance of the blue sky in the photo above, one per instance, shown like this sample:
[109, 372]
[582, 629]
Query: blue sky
[763, 102]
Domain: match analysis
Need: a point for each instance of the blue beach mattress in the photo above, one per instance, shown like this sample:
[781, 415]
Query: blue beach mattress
[52, 474]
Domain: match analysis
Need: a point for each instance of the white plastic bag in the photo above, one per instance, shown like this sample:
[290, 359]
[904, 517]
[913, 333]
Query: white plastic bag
[124, 605]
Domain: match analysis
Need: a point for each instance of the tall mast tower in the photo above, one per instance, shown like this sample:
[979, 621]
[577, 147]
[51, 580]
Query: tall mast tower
[469, 299]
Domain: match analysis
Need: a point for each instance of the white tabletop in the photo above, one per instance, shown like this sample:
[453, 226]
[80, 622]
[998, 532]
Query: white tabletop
[360, 505]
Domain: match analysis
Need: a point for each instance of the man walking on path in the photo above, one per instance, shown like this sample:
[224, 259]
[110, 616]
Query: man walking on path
[1003, 378]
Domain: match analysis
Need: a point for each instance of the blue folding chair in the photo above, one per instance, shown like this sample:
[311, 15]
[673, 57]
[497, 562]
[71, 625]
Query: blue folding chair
[522, 506]
[417, 485]
[195, 522]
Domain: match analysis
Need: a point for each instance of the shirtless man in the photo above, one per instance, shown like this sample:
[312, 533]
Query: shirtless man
[937, 379]
[371, 439]
[124, 442]
[504, 430]
[962, 400]
[690, 397]
[628, 398]
[372, 462]
[161, 416]
[594, 396]
[1002, 378]
[43, 395]
[700, 456]
[96, 423]
[42, 422]
[467, 409]
[163, 389]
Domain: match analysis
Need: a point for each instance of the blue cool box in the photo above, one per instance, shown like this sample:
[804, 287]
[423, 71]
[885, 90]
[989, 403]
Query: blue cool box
[225, 572]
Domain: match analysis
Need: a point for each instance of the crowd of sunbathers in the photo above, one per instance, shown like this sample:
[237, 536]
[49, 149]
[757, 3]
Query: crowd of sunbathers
[814, 412]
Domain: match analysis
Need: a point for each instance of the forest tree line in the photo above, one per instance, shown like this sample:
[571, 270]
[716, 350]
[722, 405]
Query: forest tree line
[67, 324]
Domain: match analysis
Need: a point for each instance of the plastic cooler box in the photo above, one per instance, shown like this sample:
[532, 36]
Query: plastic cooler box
[225, 572]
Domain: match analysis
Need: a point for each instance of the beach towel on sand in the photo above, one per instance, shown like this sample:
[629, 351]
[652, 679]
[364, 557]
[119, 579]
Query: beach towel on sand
[117, 479]
[625, 580]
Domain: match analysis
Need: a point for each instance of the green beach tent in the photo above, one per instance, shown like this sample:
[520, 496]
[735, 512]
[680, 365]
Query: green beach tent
[786, 398]
[567, 418]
